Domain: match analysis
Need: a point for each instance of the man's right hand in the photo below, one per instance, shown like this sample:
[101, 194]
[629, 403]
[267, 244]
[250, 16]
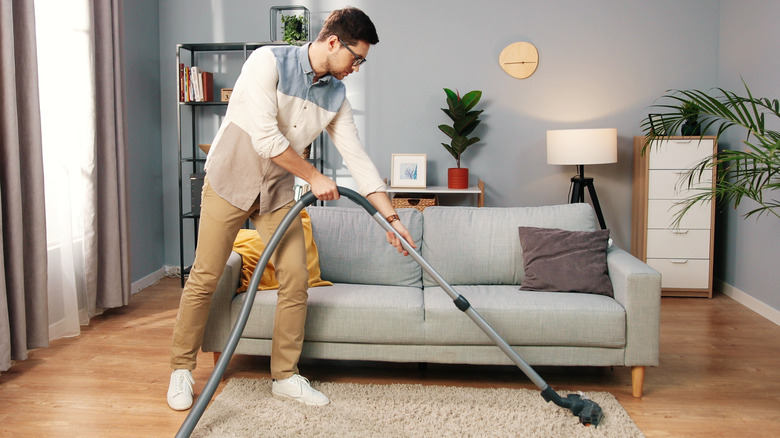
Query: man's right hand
[324, 188]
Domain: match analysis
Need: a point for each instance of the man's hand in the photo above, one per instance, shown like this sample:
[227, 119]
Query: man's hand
[324, 188]
[392, 239]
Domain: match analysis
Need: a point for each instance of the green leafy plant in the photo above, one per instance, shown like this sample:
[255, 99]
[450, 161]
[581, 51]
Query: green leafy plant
[464, 120]
[294, 29]
[690, 111]
[752, 172]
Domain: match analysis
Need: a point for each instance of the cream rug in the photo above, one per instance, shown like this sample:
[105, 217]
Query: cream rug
[246, 408]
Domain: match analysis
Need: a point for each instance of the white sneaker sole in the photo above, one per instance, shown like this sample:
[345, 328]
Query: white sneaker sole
[179, 408]
[299, 400]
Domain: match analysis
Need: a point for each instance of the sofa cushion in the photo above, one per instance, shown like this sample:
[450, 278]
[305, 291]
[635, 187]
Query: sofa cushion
[347, 313]
[353, 247]
[567, 261]
[525, 318]
[470, 245]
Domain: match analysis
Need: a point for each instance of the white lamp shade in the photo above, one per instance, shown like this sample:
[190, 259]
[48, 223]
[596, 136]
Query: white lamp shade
[582, 146]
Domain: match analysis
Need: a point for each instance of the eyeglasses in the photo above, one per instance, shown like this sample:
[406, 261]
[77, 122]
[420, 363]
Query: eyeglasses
[358, 59]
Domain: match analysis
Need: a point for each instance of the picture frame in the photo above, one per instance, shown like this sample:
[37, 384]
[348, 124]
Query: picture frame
[409, 171]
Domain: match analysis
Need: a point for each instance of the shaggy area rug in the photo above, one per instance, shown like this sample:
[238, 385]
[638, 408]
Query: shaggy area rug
[246, 408]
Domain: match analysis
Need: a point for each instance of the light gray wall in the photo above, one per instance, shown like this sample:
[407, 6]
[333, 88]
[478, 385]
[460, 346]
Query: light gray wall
[749, 46]
[602, 63]
[142, 73]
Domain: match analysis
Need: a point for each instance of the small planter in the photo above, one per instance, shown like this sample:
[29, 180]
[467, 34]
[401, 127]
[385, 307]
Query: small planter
[458, 178]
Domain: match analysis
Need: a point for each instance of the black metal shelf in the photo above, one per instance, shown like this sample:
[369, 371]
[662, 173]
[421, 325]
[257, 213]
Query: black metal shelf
[188, 159]
[209, 103]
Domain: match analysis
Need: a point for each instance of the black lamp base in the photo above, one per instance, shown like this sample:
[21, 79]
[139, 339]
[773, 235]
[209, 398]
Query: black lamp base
[579, 183]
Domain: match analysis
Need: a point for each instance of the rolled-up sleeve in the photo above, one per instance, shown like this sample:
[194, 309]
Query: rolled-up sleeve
[344, 133]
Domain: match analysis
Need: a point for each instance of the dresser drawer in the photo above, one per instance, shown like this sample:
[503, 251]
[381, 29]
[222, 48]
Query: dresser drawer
[661, 214]
[683, 244]
[679, 154]
[673, 184]
[682, 273]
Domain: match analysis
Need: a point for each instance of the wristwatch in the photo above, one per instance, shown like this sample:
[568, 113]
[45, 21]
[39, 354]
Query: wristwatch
[392, 218]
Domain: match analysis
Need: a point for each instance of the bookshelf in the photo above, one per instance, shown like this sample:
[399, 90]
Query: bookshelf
[198, 122]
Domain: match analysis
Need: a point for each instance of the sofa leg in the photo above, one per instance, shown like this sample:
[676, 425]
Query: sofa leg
[637, 381]
[217, 354]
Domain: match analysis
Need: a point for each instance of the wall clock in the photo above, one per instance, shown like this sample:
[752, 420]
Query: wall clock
[519, 59]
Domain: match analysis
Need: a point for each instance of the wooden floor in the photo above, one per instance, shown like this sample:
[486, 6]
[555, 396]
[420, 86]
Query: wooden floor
[719, 375]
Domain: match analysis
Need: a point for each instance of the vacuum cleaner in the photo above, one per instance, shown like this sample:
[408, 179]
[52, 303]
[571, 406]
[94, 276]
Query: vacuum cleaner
[588, 411]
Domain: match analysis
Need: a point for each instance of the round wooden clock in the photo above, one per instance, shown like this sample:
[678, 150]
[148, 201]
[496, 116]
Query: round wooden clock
[519, 59]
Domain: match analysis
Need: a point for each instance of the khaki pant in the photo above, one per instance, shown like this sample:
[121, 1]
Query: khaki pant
[219, 225]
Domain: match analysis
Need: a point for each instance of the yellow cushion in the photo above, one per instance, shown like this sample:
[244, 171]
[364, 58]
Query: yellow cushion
[250, 246]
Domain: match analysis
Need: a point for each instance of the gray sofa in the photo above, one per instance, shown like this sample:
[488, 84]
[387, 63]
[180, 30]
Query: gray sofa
[382, 307]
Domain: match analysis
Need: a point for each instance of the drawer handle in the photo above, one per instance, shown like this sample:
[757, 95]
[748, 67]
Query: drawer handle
[680, 231]
[678, 261]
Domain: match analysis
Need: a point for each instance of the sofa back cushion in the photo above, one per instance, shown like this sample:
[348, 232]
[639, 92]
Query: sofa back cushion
[469, 245]
[353, 247]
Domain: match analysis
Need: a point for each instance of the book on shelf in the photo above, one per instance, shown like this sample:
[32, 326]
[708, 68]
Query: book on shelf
[195, 84]
[300, 190]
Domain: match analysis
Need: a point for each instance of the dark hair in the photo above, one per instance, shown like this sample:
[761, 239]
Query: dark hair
[350, 25]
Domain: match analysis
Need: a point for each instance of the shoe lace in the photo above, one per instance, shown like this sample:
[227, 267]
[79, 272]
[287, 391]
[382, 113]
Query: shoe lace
[301, 382]
[182, 383]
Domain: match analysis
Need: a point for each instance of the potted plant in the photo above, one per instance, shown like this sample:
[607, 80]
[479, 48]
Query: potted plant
[752, 172]
[690, 112]
[464, 120]
[295, 29]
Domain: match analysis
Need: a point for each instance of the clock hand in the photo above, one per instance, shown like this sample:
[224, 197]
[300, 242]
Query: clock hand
[521, 62]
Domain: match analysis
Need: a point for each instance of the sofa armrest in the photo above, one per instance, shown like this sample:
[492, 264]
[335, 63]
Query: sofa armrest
[220, 322]
[637, 287]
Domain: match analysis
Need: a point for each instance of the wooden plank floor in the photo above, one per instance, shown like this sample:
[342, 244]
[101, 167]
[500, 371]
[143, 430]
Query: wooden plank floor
[719, 375]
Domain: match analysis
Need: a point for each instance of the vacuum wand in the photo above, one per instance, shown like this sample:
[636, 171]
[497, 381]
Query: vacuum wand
[587, 410]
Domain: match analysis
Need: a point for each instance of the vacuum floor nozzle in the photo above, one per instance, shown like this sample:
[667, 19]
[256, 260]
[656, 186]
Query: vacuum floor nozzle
[588, 411]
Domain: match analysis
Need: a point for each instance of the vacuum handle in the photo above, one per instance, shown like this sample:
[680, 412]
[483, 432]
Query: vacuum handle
[308, 199]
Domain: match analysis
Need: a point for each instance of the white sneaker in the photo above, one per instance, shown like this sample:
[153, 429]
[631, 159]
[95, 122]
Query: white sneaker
[180, 390]
[298, 388]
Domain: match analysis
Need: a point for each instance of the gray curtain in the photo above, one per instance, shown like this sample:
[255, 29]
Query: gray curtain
[24, 319]
[23, 265]
[108, 257]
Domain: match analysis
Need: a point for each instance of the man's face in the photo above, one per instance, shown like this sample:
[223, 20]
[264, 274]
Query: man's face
[341, 61]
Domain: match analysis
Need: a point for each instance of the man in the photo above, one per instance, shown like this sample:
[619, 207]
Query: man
[283, 99]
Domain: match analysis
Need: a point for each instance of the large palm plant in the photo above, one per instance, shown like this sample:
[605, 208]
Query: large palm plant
[752, 172]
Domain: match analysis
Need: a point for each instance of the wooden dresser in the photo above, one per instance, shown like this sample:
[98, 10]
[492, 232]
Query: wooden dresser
[683, 254]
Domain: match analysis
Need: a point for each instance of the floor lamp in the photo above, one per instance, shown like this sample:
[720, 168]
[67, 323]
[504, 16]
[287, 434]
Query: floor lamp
[580, 147]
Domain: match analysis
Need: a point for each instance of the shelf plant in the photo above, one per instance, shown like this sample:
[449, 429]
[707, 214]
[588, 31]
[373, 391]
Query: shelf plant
[295, 29]
[464, 119]
[751, 172]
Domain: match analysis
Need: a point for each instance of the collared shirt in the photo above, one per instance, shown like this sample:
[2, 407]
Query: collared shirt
[275, 105]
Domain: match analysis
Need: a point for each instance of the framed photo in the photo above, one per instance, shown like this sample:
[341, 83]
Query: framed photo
[409, 171]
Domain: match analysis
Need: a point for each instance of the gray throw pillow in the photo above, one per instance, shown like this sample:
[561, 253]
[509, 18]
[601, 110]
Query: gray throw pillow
[558, 260]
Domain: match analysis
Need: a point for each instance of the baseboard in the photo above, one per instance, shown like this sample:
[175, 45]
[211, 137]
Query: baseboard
[147, 281]
[748, 301]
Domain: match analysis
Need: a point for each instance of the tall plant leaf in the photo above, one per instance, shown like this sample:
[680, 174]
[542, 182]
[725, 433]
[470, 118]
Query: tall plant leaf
[750, 173]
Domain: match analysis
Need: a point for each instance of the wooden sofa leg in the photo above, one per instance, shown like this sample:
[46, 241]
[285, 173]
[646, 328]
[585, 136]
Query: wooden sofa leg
[217, 354]
[637, 381]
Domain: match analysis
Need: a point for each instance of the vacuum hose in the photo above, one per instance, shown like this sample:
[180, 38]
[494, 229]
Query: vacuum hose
[587, 410]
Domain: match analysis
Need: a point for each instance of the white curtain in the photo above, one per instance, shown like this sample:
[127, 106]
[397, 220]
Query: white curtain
[66, 78]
